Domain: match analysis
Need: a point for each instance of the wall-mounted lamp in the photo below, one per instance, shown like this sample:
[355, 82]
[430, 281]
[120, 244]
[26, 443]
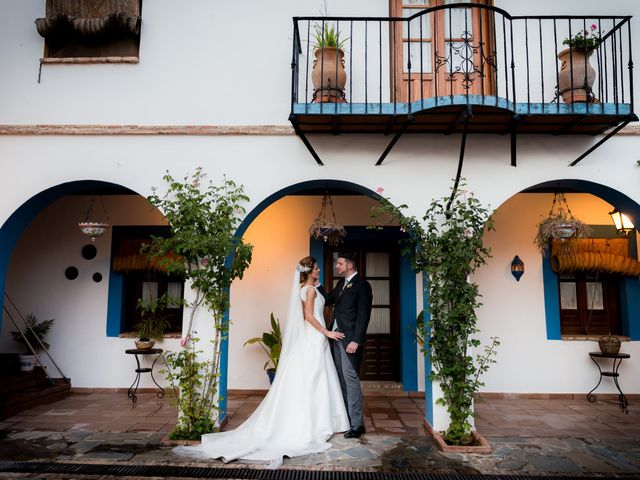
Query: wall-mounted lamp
[517, 267]
[623, 225]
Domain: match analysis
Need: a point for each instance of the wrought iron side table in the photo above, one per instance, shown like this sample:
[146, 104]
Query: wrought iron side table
[136, 382]
[617, 360]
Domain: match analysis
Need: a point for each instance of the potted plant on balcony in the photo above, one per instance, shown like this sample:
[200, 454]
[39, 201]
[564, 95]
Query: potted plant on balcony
[328, 74]
[271, 343]
[576, 76]
[33, 331]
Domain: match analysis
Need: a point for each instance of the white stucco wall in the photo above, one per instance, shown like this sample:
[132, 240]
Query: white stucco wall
[192, 72]
[515, 312]
[36, 283]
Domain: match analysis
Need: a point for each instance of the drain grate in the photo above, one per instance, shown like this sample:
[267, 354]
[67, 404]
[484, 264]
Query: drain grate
[241, 473]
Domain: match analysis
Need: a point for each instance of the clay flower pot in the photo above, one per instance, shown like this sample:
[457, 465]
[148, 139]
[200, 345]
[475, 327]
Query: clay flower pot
[576, 75]
[328, 75]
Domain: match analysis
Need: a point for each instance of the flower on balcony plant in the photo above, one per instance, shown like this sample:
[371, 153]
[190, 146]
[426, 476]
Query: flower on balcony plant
[585, 39]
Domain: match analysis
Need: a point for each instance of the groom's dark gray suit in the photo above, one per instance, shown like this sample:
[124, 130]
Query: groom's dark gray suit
[351, 314]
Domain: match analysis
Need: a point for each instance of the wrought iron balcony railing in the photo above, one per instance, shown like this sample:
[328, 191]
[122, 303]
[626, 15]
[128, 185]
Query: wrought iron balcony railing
[427, 71]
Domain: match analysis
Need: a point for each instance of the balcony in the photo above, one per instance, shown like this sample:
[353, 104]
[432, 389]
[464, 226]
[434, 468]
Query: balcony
[462, 68]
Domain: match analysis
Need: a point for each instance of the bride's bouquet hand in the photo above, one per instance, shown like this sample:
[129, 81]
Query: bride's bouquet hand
[334, 335]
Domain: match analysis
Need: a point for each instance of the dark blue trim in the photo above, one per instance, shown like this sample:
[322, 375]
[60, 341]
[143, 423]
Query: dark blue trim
[300, 188]
[630, 306]
[224, 367]
[404, 108]
[551, 299]
[408, 314]
[316, 250]
[429, 401]
[15, 225]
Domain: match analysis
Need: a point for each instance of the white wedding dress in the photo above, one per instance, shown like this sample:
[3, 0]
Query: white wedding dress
[303, 408]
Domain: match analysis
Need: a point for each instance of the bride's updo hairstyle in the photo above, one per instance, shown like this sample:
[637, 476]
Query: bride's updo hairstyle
[305, 266]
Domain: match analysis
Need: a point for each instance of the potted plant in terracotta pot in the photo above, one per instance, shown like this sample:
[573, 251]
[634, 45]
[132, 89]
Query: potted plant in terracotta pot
[33, 330]
[329, 76]
[576, 76]
[271, 343]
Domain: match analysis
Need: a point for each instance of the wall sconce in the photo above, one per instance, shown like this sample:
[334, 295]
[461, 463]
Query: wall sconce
[623, 225]
[517, 267]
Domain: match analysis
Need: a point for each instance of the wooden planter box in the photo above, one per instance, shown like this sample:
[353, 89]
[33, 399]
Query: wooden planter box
[481, 444]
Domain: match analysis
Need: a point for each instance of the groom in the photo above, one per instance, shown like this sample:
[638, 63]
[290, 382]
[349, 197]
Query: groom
[352, 298]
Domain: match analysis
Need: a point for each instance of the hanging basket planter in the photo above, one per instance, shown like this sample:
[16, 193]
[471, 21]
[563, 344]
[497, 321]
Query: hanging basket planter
[561, 225]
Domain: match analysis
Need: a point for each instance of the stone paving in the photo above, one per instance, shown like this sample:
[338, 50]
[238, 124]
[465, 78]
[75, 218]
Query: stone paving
[528, 436]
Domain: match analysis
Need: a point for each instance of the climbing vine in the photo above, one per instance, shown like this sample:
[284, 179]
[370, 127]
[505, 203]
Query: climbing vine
[447, 248]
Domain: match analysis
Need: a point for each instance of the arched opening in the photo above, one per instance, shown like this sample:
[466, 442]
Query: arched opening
[50, 268]
[548, 321]
[278, 227]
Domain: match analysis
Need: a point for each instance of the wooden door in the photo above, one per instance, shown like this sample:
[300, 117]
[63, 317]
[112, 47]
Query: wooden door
[451, 51]
[379, 265]
[589, 304]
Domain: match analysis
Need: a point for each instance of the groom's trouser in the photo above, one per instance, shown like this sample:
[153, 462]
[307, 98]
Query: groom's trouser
[350, 384]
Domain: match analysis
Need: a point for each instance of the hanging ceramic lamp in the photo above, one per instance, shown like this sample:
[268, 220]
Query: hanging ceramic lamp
[93, 228]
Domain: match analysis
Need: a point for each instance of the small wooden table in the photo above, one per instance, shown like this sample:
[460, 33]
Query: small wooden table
[617, 360]
[139, 370]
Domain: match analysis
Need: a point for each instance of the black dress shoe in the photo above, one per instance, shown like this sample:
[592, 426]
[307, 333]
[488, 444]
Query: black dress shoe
[354, 432]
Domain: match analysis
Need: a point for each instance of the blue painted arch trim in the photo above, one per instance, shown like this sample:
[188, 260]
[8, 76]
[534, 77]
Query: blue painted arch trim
[629, 287]
[16, 224]
[408, 289]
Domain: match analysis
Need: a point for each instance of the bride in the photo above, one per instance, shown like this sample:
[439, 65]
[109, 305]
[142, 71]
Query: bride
[304, 406]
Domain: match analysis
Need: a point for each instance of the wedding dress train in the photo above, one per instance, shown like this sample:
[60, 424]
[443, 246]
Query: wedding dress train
[303, 408]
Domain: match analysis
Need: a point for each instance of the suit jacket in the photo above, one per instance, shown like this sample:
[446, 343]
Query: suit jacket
[351, 309]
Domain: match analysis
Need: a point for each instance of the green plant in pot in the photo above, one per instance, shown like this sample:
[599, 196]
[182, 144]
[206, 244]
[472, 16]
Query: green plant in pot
[33, 330]
[271, 343]
[328, 75]
[446, 246]
[155, 320]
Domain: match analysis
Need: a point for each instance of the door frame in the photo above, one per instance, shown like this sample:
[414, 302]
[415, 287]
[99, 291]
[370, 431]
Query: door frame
[407, 305]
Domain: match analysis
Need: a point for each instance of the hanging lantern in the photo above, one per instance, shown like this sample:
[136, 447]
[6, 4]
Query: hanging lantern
[325, 227]
[623, 225]
[517, 267]
[91, 228]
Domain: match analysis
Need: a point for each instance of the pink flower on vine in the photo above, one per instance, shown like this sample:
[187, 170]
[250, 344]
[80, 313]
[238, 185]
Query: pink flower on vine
[593, 26]
[183, 342]
[379, 190]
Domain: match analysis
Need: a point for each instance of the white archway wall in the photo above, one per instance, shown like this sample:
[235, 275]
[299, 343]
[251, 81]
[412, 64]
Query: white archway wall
[280, 237]
[36, 283]
[514, 311]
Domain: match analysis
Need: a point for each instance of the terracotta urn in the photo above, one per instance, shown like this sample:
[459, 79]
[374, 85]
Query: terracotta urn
[576, 75]
[328, 75]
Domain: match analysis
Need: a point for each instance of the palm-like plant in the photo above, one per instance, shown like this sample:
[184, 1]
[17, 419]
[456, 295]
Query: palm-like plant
[33, 328]
[270, 342]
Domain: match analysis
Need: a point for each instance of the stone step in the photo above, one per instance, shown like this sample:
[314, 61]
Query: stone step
[24, 400]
